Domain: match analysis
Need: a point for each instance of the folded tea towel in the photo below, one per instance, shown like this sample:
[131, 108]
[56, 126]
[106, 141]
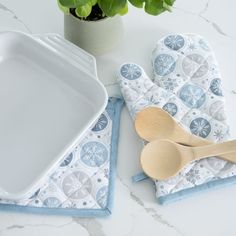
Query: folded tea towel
[187, 84]
[83, 183]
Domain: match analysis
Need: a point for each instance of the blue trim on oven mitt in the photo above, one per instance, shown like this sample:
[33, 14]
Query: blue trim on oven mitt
[219, 183]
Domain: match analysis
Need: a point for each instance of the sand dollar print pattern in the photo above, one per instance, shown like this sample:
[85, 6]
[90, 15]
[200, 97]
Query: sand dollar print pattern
[195, 66]
[217, 166]
[35, 194]
[131, 71]
[169, 83]
[101, 196]
[216, 110]
[101, 123]
[171, 108]
[94, 154]
[130, 96]
[200, 127]
[192, 96]
[51, 202]
[77, 185]
[204, 45]
[67, 160]
[219, 135]
[174, 42]
[215, 87]
[164, 64]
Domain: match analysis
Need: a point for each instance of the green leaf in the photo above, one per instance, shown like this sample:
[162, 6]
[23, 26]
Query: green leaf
[93, 2]
[154, 7]
[137, 3]
[83, 11]
[111, 7]
[66, 10]
[124, 10]
[169, 2]
[74, 3]
[167, 7]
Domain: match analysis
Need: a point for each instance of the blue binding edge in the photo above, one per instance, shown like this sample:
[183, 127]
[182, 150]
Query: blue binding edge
[114, 109]
[139, 177]
[174, 197]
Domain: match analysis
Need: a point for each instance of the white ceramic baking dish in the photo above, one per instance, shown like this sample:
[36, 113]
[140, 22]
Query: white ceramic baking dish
[48, 99]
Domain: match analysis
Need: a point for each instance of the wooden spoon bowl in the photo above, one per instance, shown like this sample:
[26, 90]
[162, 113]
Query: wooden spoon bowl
[161, 159]
[154, 123]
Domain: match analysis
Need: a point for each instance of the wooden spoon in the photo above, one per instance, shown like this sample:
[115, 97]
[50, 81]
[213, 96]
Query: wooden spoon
[161, 159]
[154, 123]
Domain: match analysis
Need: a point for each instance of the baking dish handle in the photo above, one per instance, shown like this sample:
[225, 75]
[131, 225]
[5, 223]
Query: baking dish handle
[69, 51]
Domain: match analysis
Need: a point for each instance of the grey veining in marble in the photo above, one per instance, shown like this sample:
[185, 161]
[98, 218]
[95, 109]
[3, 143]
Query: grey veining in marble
[135, 211]
[4, 8]
[203, 15]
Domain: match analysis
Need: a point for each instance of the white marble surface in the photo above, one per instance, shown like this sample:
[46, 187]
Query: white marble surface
[135, 210]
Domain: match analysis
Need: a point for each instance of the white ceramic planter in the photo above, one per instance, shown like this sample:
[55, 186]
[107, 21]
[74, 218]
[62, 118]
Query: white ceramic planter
[95, 37]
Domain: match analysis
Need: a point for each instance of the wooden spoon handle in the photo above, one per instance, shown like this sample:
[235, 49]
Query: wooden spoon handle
[218, 149]
[196, 141]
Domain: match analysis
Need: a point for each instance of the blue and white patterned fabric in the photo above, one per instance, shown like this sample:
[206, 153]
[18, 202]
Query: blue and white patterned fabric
[82, 184]
[187, 84]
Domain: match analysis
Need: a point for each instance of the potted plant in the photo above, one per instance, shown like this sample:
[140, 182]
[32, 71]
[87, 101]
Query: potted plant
[96, 25]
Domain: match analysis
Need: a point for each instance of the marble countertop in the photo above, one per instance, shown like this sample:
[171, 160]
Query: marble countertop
[135, 209]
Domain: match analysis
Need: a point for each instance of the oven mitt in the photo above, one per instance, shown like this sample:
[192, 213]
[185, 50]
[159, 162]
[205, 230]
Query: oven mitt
[186, 84]
[83, 183]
